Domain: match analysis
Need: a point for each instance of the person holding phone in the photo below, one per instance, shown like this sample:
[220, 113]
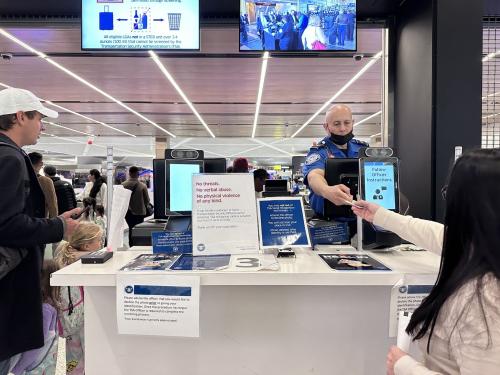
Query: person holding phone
[458, 325]
[24, 229]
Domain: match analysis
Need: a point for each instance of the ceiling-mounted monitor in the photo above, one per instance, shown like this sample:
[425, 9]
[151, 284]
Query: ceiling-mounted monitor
[140, 25]
[298, 25]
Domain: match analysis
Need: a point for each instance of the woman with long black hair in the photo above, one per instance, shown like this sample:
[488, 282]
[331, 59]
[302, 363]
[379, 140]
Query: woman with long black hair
[458, 325]
[96, 188]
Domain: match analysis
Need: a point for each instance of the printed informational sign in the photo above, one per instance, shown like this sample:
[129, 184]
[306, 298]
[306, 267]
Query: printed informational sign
[224, 214]
[159, 305]
[282, 223]
[187, 262]
[172, 242]
[406, 296]
[353, 262]
[379, 184]
[141, 24]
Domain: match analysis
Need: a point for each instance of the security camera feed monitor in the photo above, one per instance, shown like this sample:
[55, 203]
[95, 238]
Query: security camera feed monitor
[140, 25]
[298, 25]
[179, 191]
[380, 182]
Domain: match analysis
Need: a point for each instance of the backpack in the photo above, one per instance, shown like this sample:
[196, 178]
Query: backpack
[70, 319]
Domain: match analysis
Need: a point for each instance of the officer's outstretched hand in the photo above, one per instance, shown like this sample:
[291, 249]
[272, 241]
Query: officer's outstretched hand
[338, 194]
[365, 210]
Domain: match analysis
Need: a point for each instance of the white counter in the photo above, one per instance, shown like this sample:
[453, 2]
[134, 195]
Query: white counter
[306, 269]
[303, 319]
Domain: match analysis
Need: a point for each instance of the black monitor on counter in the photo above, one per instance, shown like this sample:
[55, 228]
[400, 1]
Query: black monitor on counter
[341, 171]
[298, 26]
[214, 165]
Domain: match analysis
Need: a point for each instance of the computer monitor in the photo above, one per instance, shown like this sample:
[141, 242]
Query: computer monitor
[172, 186]
[341, 171]
[214, 165]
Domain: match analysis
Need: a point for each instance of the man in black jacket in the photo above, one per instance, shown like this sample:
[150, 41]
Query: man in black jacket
[66, 199]
[22, 224]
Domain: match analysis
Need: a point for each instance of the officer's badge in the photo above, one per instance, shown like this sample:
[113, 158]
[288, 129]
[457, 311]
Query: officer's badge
[313, 158]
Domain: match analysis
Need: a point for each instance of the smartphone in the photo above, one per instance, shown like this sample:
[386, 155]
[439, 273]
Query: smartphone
[79, 215]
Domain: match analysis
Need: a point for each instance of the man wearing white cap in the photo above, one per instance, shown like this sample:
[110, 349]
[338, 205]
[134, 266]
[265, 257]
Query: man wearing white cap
[23, 229]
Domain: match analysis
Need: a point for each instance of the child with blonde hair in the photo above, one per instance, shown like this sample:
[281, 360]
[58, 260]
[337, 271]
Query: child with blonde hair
[85, 239]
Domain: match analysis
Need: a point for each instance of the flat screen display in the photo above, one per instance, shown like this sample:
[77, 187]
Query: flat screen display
[140, 25]
[380, 183]
[180, 186]
[298, 25]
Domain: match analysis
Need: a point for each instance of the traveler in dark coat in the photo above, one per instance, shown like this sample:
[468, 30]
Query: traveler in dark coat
[66, 199]
[285, 35]
[22, 224]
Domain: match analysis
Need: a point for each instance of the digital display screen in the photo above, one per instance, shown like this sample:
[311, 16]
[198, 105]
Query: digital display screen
[141, 24]
[379, 183]
[181, 190]
[298, 25]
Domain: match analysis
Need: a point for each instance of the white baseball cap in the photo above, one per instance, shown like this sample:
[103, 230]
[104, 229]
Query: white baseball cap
[13, 100]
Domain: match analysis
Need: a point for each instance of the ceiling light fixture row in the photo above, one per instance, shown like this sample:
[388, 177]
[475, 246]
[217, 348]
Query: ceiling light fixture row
[80, 79]
[96, 145]
[362, 71]
[171, 79]
[263, 72]
[77, 114]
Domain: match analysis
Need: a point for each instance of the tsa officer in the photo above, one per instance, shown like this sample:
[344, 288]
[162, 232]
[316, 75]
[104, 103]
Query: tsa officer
[339, 143]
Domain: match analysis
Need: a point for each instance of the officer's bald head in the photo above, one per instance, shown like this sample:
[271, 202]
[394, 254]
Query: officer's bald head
[338, 120]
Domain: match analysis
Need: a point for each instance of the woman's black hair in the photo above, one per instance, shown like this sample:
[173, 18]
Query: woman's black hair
[471, 236]
[97, 183]
[89, 201]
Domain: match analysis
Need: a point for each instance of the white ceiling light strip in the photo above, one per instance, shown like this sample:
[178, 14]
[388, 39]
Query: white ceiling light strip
[367, 118]
[88, 118]
[490, 95]
[64, 127]
[77, 114]
[171, 79]
[263, 71]
[96, 145]
[182, 142]
[80, 79]
[490, 56]
[362, 71]
[492, 115]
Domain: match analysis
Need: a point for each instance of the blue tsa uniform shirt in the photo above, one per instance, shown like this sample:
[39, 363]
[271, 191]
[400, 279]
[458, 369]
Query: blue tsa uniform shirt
[316, 159]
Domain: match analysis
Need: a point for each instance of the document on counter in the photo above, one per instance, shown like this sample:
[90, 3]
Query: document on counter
[224, 214]
[151, 262]
[158, 305]
[121, 198]
[282, 222]
[407, 295]
[188, 262]
[353, 262]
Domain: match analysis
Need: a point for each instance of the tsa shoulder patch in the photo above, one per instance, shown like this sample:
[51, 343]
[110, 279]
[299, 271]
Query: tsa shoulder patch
[313, 158]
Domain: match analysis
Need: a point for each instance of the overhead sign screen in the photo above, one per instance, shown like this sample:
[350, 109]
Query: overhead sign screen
[140, 25]
[298, 25]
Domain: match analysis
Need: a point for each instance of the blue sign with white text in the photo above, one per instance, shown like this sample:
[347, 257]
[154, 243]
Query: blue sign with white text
[172, 242]
[282, 223]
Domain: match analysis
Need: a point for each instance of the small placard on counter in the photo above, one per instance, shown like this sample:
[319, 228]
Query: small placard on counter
[172, 242]
[328, 232]
[97, 257]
